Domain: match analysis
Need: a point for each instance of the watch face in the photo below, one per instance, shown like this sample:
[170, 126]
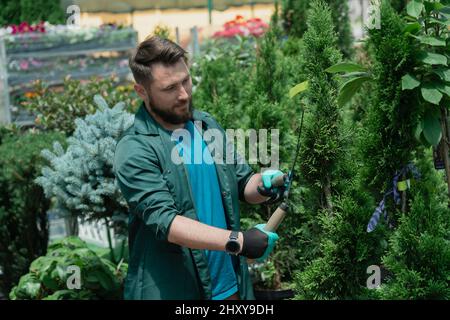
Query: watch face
[233, 246]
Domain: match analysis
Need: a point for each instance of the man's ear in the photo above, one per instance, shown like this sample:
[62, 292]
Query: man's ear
[140, 90]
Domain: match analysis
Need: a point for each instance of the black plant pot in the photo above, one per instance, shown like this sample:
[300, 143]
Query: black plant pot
[274, 294]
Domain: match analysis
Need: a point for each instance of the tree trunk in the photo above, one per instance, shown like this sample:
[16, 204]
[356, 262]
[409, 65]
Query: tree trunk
[111, 249]
[445, 136]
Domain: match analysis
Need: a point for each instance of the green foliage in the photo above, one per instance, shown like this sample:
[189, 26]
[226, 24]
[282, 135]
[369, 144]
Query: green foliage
[8, 131]
[56, 110]
[388, 129]
[31, 11]
[295, 15]
[322, 143]
[341, 21]
[354, 78]
[430, 80]
[345, 252]
[34, 11]
[266, 64]
[419, 254]
[399, 5]
[81, 178]
[23, 206]
[49, 275]
[241, 100]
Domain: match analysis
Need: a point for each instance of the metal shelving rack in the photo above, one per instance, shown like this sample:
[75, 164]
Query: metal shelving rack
[13, 83]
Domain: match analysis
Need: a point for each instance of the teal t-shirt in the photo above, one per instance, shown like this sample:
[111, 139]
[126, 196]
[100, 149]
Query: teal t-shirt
[208, 201]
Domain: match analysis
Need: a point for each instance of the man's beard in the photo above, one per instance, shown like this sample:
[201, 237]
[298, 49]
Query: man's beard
[170, 116]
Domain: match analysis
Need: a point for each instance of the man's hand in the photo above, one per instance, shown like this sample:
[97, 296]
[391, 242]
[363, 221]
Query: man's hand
[267, 189]
[258, 243]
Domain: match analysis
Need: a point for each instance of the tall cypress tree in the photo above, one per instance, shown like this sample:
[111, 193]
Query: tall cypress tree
[388, 140]
[338, 270]
[419, 250]
[341, 21]
[322, 141]
[294, 15]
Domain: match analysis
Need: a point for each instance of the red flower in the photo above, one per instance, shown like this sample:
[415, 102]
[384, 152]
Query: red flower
[255, 27]
[25, 27]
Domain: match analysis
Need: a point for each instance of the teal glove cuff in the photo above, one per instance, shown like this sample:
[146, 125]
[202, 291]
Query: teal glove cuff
[272, 238]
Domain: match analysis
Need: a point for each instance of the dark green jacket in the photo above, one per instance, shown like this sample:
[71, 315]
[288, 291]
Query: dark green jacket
[156, 190]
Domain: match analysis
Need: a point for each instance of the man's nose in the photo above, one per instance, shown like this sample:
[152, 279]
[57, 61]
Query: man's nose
[183, 95]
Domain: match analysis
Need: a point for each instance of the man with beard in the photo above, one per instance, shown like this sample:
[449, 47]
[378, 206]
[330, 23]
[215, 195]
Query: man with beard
[184, 230]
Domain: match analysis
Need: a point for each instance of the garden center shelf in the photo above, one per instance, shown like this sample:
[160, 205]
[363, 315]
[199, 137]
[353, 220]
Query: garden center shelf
[51, 56]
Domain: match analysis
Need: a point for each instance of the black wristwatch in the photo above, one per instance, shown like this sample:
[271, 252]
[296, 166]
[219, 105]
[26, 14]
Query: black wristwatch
[233, 246]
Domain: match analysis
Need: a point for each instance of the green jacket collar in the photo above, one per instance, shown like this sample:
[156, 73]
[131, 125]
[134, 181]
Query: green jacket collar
[144, 123]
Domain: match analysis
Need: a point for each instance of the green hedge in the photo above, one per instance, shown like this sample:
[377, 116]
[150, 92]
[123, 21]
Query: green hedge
[23, 206]
[31, 11]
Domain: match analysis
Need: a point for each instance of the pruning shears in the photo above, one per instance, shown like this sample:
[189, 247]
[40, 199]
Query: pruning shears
[284, 180]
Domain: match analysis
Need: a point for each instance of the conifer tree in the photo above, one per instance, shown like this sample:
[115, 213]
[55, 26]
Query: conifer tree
[388, 139]
[322, 143]
[418, 259]
[81, 179]
[294, 16]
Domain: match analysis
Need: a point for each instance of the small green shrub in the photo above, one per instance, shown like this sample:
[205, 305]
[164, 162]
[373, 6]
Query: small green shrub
[49, 275]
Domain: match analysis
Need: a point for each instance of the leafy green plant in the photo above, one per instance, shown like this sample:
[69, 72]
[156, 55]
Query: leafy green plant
[354, 75]
[81, 179]
[49, 275]
[57, 110]
[431, 75]
[23, 206]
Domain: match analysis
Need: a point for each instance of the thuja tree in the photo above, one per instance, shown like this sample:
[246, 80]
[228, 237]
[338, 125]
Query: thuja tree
[419, 251]
[322, 143]
[266, 65]
[344, 248]
[224, 97]
[81, 179]
[388, 129]
[341, 21]
[418, 259]
[294, 15]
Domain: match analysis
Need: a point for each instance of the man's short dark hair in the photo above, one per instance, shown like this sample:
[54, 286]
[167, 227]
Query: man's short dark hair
[153, 50]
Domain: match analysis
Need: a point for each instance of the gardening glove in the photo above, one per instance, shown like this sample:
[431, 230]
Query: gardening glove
[267, 190]
[258, 243]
